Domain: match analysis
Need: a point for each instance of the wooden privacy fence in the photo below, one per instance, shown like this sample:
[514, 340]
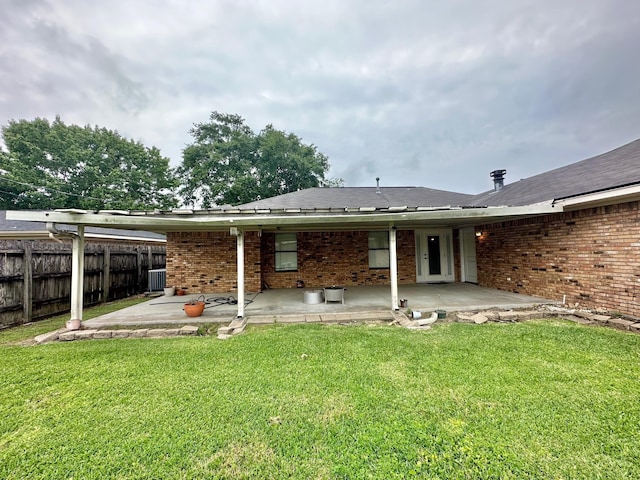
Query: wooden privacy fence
[35, 275]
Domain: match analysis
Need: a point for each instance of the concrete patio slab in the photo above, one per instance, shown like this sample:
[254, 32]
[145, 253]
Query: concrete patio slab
[269, 306]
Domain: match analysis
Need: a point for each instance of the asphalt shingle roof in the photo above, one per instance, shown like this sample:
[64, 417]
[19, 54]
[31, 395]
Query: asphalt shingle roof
[613, 169]
[354, 197]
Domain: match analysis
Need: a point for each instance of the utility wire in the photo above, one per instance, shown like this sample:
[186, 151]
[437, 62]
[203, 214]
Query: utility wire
[10, 193]
[52, 190]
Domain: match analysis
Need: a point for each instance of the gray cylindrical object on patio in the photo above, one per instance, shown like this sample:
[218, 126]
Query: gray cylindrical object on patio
[313, 297]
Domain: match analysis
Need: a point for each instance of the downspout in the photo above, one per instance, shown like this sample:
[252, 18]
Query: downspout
[77, 270]
[55, 234]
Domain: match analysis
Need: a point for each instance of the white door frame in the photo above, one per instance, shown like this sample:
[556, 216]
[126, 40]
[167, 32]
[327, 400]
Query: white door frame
[446, 255]
[466, 273]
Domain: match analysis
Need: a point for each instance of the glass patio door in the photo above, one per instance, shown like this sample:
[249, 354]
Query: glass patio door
[434, 256]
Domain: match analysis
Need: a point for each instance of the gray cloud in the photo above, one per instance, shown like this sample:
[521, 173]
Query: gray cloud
[418, 93]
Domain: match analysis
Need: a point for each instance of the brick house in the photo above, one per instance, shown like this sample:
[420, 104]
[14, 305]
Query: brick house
[572, 233]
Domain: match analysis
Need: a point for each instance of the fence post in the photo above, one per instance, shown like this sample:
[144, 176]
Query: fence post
[106, 276]
[150, 266]
[27, 278]
[139, 260]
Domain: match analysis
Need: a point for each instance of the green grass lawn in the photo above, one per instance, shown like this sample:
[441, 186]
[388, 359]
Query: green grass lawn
[543, 399]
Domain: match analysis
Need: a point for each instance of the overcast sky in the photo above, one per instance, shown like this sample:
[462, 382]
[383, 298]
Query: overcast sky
[432, 93]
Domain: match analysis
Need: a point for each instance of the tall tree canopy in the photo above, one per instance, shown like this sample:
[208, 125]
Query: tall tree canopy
[228, 163]
[53, 165]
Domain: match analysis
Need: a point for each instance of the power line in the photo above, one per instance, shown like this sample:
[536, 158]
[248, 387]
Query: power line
[10, 193]
[52, 190]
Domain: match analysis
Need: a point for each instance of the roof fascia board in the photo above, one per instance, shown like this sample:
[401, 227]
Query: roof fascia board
[596, 199]
[164, 222]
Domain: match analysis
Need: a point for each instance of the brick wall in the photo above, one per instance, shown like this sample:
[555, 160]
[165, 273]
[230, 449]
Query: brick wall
[592, 256]
[337, 258]
[205, 262]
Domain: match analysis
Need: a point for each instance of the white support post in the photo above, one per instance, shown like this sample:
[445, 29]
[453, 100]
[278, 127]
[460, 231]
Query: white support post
[393, 268]
[77, 278]
[240, 260]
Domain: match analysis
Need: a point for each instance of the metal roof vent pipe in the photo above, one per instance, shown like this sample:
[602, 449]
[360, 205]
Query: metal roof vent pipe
[498, 179]
[378, 185]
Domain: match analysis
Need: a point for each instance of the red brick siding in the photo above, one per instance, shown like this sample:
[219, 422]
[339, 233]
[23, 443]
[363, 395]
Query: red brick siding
[337, 258]
[592, 256]
[205, 262]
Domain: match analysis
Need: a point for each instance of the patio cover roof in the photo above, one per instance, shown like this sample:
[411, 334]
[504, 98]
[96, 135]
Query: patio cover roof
[292, 219]
[24, 230]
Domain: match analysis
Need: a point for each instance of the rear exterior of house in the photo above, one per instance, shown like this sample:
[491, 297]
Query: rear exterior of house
[587, 254]
[320, 255]
[589, 257]
[569, 234]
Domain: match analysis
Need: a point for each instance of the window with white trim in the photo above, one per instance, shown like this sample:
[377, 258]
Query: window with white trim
[378, 249]
[286, 252]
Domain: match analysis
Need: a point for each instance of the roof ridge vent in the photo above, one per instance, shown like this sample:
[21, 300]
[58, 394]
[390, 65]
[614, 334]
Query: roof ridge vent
[498, 179]
[378, 185]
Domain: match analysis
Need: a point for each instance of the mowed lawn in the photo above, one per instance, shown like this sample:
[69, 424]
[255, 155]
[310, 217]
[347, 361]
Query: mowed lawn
[543, 399]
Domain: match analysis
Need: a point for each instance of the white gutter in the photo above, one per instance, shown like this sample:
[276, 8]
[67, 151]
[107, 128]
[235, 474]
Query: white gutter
[44, 235]
[172, 222]
[103, 236]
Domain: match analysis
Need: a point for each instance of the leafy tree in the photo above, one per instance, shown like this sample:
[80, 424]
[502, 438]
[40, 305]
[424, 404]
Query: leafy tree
[227, 163]
[8, 191]
[53, 165]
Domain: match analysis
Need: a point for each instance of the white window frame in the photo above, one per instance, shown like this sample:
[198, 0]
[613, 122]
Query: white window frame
[286, 252]
[377, 258]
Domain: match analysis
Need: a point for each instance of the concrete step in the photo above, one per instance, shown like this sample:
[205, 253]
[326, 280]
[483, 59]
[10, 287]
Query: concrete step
[236, 326]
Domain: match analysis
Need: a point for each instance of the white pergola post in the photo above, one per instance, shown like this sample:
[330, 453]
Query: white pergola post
[77, 278]
[240, 261]
[393, 268]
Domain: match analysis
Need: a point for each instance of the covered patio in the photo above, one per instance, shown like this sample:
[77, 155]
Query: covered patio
[246, 224]
[287, 305]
